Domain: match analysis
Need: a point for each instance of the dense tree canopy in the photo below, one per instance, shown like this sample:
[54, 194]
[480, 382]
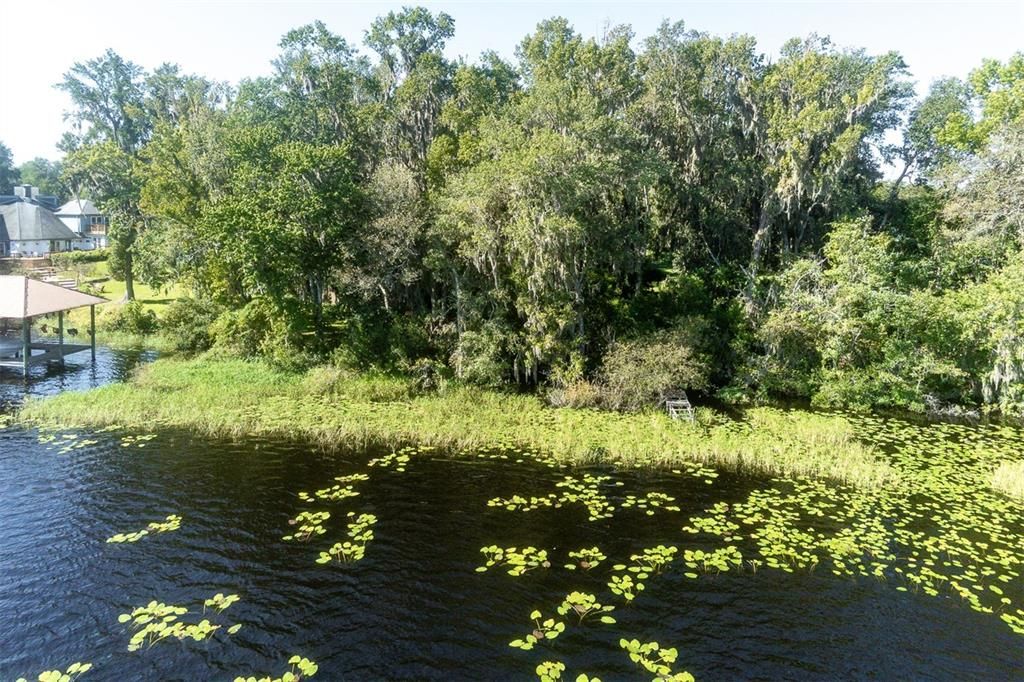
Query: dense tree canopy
[542, 221]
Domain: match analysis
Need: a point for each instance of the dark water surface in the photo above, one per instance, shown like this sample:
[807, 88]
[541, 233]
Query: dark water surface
[414, 608]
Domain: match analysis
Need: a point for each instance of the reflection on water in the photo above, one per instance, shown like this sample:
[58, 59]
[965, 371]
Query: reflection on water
[78, 374]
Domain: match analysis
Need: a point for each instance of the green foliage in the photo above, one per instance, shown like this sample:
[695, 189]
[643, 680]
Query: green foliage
[582, 605]
[308, 525]
[73, 672]
[66, 260]
[225, 397]
[586, 559]
[187, 322]
[655, 659]
[360, 533]
[646, 371]
[544, 629]
[9, 175]
[41, 173]
[517, 561]
[300, 668]
[157, 621]
[130, 318]
[550, 671]
[172, 522]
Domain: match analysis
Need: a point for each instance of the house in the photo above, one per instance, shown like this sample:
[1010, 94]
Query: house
[83, 218]
[28, 227]
[30, 193]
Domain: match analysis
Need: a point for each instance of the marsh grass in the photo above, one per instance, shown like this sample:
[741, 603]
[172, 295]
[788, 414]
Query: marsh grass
[234, 398]
[1009, 478]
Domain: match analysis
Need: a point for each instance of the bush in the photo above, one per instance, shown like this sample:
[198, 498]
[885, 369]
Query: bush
[478, 357]
[372, 387]
[187, 322]
[580, 393]
[261, 329]
[642, 372]
[129, 318]
[66, 259]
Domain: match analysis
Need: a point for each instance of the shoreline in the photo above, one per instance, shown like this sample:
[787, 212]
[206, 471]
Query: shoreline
[335, 408]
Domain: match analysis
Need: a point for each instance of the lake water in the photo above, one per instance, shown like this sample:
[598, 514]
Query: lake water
[415, 606]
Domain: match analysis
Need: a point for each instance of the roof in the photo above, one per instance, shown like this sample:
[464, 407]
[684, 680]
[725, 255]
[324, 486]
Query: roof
[78, 207]
[22, 220]
[21, 297]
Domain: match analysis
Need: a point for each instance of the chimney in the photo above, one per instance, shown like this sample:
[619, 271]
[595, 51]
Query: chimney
[27, 192]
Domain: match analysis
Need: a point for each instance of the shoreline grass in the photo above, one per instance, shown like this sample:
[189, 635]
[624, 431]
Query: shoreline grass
[1009, 478]
[332, 408]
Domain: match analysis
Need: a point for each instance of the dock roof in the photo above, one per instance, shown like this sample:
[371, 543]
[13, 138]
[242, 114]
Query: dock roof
[23, 297]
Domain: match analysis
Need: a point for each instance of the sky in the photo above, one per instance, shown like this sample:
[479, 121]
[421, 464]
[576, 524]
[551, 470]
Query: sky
[227, 40]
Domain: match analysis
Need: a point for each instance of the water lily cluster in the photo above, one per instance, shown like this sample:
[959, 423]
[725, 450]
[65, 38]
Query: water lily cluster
[517, 561]
[172, 522]
[72, 673]
[360, 532]
[157, 621]
[308, 524]
[301, 668]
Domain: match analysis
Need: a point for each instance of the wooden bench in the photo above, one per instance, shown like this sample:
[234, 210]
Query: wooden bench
[680, 408]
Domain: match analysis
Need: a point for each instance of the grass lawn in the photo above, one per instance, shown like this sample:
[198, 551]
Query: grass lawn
[98, 274]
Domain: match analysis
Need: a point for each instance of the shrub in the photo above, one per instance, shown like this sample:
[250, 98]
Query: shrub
[371, 387]
[580, 393]
[642, 372]
[261, 329]
[129, 318]
[66, 259]
[187, 323]
[478, 357]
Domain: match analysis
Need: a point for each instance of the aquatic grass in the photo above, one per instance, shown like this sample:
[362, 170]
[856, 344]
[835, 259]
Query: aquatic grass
[1009, 478]
[234, 398]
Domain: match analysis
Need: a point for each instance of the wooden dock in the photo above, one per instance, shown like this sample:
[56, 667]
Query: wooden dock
[50, 352]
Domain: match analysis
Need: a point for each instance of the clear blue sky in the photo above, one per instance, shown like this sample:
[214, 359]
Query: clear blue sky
[230, 40]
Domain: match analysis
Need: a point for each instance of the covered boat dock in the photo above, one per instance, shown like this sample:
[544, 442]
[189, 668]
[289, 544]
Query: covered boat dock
[23, 299]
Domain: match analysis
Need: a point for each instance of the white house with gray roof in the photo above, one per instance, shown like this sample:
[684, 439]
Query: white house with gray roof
[83, 218]
[29, 229]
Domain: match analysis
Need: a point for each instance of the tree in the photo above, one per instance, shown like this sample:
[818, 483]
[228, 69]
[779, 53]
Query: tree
[323, 84]
[111, 175]
[549, 222]
[107, 94]
[112, 124]
[820, 107]
[9, 176]
[287, 219]
[699, 112]
[44, 174]
[414, 81]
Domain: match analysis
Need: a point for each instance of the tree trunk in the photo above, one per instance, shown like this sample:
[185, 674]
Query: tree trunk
[129, 277]
[758, 248]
